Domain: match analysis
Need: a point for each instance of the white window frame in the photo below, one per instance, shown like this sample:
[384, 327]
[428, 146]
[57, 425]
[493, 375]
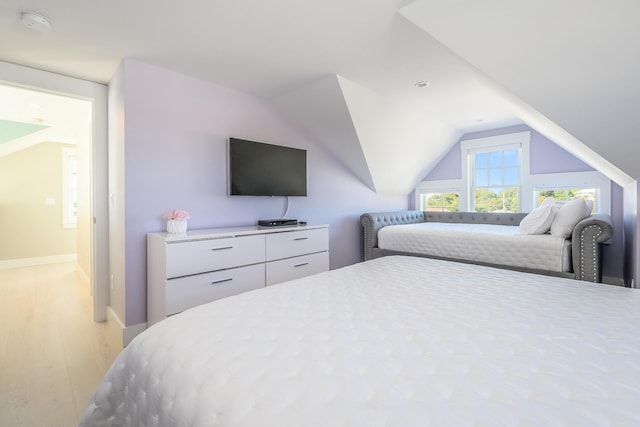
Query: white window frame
[590, 179]
[440, 186]
[468, 147]
[69, 189]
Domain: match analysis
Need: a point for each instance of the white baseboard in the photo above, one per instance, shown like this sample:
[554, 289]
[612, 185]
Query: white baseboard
[83, 275]
[124, 334]
[28, 262]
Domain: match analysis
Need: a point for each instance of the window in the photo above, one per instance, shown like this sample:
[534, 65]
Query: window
[564, 194]
[496, 180]
[494, 170]
[496, 177]
[438, 196]
[566, 186]
[440, 202]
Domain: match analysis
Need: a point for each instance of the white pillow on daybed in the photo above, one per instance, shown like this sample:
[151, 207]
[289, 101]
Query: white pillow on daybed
[539, 220]
[571, 213]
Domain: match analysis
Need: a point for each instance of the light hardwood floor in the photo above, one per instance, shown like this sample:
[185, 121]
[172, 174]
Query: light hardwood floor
[52, 353]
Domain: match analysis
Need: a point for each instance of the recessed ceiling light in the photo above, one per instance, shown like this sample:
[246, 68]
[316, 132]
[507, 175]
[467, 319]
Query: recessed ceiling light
[422, 84]
[35, 105]
[35, 21]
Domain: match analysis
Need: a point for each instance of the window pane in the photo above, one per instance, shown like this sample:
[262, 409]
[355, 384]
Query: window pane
[481, 160]
[511, 158]
[495, 158]
[496, 200]
[511, 176]
[495, 177]
[451, 202]
[485, 200]
[482, 180]
[586, 193]
[432, 200]
[543, 194]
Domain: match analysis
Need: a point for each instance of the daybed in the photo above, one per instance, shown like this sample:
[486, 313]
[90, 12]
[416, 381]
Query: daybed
[395, 341]
[492, 240]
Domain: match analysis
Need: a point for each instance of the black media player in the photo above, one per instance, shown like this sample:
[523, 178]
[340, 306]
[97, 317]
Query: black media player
[277, 222]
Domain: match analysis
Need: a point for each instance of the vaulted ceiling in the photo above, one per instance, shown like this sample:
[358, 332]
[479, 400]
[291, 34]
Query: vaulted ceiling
[347, 69]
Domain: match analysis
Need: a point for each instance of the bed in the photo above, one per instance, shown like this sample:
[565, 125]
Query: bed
[395, 341]
[492, 239]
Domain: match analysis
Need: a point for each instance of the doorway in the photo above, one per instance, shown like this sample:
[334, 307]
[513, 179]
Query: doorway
[62, 124]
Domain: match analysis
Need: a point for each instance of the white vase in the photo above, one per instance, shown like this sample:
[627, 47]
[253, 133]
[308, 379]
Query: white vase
[176, 226]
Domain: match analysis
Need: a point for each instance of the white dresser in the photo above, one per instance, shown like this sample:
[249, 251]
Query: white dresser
[185, 270]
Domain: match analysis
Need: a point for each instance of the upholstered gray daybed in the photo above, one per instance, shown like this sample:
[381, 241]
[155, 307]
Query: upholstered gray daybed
[581, 250]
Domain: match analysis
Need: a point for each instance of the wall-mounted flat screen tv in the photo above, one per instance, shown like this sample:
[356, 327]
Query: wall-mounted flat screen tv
[259, 169]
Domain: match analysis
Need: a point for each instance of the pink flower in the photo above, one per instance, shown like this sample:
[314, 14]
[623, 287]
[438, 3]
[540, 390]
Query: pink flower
[178, 214]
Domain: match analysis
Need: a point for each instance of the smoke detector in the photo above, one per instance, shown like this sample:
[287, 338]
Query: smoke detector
[35, 21]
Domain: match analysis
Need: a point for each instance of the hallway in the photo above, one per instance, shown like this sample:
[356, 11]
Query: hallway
[52, 353]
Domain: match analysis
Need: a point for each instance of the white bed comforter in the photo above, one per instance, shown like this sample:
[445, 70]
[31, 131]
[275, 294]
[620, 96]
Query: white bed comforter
[487, 243]
[396, 341]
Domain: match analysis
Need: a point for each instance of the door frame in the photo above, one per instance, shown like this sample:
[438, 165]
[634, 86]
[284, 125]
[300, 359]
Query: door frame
[97, 94]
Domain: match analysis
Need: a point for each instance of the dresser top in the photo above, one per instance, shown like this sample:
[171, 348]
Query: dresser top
[226, 232]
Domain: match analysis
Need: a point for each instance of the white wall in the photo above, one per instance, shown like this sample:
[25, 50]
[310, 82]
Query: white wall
[31, 228]
[116, 197]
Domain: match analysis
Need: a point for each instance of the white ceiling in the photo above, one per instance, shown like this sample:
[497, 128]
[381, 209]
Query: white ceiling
[62, 116]
[566, 69]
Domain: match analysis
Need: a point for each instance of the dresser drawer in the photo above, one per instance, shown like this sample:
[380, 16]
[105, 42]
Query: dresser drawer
[185, 258]
[187, 292]
[294, 268]
[293, 243]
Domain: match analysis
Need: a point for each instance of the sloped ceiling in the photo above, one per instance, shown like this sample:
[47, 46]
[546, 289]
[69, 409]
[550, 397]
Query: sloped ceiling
[574, 63]
[346, 69]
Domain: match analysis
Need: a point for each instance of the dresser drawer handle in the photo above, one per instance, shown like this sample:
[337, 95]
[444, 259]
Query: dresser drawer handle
[301, 238]
[224, 247]
[221, 281]
[301, 265]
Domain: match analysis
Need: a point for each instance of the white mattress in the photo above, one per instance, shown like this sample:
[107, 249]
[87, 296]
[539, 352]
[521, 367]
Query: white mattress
[487, 243]
[396, 341]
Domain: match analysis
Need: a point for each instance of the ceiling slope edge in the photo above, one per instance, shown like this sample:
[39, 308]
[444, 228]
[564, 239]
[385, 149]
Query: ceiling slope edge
[486, 59]
[573, 145]
[321, 109]
[552, 131]
[45, 135]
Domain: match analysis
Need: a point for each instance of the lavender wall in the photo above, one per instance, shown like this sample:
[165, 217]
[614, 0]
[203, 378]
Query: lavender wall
[176, 129]
[632, 233]
[547, 157]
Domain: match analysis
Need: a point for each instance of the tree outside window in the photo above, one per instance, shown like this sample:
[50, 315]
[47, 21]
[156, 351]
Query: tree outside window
[440, 202]
[565, 194]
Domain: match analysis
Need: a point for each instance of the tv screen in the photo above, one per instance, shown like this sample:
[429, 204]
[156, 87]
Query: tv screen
[259, 169]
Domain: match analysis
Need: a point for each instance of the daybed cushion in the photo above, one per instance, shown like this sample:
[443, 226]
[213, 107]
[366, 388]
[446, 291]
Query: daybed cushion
[568, 216]
[483, 243]
[539, 220]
